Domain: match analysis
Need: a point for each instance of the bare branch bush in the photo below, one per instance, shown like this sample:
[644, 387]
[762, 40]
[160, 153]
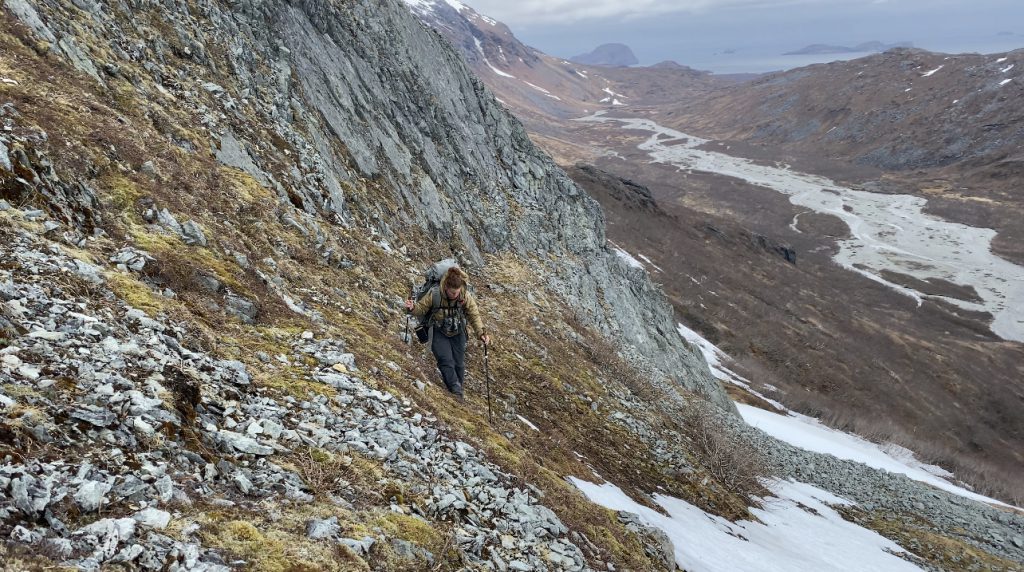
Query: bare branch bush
[735, 464]
[325, 473]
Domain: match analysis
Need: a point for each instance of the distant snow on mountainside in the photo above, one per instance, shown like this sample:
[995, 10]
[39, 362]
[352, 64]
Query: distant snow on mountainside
[480, 48]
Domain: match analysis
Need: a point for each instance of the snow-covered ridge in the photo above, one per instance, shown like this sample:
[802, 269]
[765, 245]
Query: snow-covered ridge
[424, 7]
[888, 232]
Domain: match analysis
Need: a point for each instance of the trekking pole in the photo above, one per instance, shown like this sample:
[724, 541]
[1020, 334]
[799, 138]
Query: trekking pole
[408, 312]
[487, 382]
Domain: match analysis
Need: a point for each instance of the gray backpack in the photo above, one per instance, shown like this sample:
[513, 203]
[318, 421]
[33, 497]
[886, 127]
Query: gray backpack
[431, 286]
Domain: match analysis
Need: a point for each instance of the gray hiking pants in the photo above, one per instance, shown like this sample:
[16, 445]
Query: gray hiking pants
[450, 354]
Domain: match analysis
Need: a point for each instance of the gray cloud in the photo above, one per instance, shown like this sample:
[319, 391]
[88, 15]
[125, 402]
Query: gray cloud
[571, 11]
[718, 34]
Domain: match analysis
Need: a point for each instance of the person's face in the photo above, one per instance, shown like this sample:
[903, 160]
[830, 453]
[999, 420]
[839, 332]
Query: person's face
[453, 293]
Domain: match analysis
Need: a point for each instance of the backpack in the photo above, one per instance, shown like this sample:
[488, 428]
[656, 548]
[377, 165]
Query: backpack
[431, 286]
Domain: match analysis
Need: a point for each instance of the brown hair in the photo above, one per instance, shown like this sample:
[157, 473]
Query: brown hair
[455, 278]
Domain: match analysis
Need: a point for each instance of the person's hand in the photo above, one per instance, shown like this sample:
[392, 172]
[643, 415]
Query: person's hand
[409, 304]
[485, 339]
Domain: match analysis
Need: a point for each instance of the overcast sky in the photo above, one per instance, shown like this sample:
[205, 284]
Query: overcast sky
[724, 33]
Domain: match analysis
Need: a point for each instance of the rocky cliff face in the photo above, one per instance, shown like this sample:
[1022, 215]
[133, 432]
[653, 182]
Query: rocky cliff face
[334, 106]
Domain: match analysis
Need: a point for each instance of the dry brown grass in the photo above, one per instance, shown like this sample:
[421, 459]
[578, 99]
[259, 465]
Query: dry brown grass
[325, 473]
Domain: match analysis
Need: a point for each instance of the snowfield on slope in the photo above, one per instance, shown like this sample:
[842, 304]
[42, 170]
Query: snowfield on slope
[810, 434]
[798, 530]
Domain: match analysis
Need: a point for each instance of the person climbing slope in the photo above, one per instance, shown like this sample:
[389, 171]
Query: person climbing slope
[447, 310]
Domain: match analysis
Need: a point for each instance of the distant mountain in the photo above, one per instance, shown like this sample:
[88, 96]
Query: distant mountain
[610, 55]
[669, 64]
[539, 87]
[873, 46]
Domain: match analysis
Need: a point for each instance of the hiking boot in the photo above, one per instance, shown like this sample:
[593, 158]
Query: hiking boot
[459, 397]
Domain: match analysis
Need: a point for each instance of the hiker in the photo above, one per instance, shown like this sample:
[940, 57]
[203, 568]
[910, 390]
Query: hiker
[447, 309]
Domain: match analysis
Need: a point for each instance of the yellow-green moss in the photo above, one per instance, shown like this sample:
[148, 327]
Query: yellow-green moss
[135, 293]
[321, 456]
[13, 390]
[183, 259]
[411, 528]
[120, 192]
[292, 380]
[246, 188]
[266, 548]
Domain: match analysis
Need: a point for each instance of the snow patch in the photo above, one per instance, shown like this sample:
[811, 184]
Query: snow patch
[459, 6]
[648, 261]
[796, 219]
[928, 73]
[487, 20]
[808, 433]
[626, 256]
[1007, 68]
[532, 426]
[537, 87]
[613, 94]
[797, 529]
[1005, 81]
[480, 48]
[717, 359]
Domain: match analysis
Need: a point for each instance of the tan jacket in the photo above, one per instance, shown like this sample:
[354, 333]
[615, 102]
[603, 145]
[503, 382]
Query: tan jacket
[467, 300]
